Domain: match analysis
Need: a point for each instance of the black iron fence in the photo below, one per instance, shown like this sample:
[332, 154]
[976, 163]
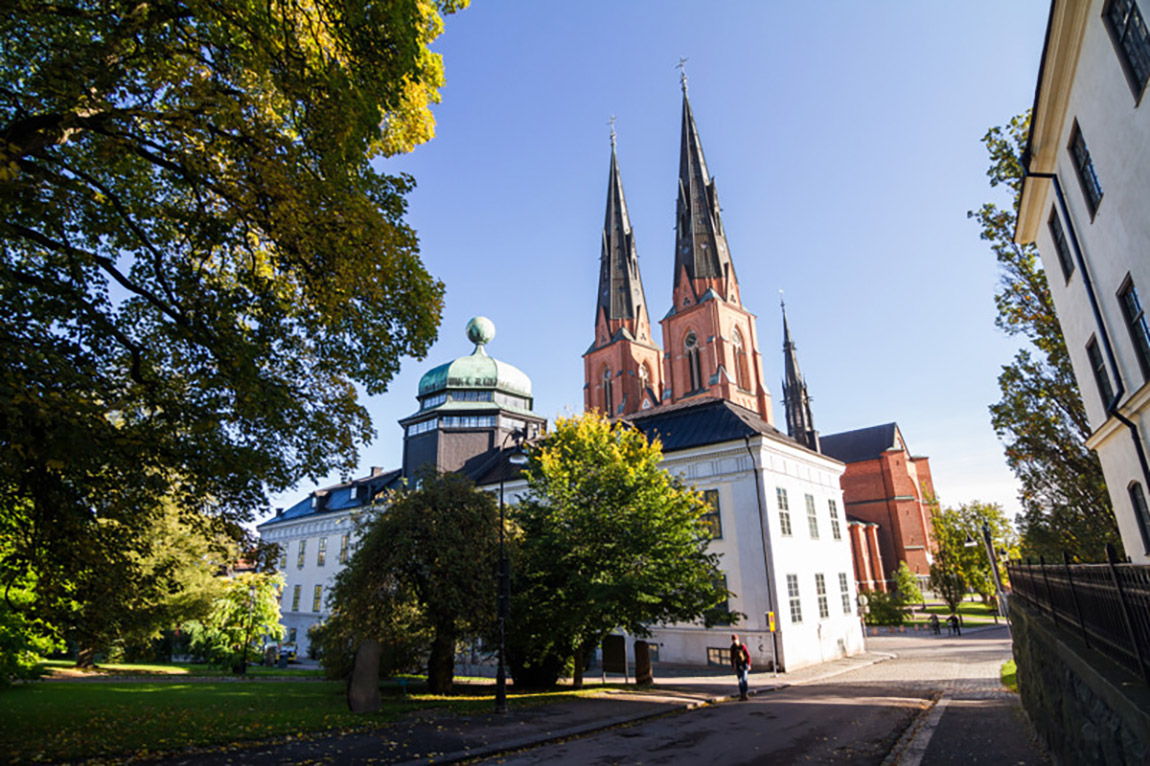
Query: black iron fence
[1108, 605]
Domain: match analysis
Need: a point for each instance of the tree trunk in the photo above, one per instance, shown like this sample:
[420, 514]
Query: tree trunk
[441, 663]
[582, 652]
[86, 657]
[577, 677]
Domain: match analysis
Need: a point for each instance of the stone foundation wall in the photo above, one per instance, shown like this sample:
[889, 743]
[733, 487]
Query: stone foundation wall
[1084, 708]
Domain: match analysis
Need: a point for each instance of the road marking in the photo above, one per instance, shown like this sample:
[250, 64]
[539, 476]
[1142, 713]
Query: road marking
[913, 753]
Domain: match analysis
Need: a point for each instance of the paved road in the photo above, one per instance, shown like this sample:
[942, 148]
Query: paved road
[939, 701]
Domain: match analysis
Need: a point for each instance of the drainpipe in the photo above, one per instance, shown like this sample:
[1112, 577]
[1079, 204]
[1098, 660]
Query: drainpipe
[766, 558]
[1119, 386]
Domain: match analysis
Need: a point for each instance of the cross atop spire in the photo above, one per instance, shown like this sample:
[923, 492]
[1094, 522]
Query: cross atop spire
[611, 122]
[682, 67]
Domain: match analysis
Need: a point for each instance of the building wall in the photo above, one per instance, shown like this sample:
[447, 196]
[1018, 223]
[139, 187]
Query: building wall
[713, 322]
[747, 505]
[893, 491]
[288, 534]
[624, 358]
[1115, 240]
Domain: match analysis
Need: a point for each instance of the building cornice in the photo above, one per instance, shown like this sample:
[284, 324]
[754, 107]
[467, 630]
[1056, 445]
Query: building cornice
[328, 521]
[1064, 38]
[1139, 401]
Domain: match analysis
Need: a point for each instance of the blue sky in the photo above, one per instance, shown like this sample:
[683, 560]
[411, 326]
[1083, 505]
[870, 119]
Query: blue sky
[844, 140]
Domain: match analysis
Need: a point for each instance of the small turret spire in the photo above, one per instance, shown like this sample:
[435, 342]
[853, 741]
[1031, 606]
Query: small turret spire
[796, 402]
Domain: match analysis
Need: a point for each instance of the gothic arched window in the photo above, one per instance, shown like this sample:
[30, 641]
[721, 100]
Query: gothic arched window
[608, 402]
[742, 373]
[694, 370]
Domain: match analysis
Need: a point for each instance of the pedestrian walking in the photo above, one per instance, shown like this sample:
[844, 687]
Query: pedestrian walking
[935, 626]
[741, 662]
[952, 622]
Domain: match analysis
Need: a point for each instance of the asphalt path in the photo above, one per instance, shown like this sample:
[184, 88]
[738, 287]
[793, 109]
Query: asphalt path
[938, 701]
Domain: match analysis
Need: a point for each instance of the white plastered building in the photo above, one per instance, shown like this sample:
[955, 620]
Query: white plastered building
[1086, 204]
[780, 532]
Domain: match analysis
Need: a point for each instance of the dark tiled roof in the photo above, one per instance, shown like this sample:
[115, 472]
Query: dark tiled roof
[861, 444]
[333, 499]
[493, 467]
[702, 421]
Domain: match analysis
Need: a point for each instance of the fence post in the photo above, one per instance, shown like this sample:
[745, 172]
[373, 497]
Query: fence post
[1049, 592]
[1111, 560]
[1074, 597]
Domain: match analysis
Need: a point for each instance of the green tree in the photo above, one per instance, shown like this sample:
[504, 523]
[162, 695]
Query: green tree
[608, 540]
[1040, 418]
[198, 261]
[247, 609]
[24, 639]
[962, 563]
[948, 571]
[424, 565]
[906, 586]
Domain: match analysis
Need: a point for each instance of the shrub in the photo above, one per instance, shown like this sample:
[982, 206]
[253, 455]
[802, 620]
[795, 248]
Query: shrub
[23, 640]
[885, 609]
[906, 586]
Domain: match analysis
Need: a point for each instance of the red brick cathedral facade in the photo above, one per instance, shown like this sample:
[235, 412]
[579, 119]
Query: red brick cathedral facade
[710, 344]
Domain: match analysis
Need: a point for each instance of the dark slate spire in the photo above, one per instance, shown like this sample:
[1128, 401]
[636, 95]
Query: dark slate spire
[620, 287]
[700, 243]
[800, 423]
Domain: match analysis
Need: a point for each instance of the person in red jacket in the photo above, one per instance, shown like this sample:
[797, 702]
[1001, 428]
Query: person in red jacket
[741, 662]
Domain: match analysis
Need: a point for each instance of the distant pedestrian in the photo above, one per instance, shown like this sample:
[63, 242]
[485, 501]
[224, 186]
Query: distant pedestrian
[952, 621]
[741, 662]
[935, 625]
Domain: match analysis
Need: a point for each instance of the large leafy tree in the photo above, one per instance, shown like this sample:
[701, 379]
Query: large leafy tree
[198, 261]
[246, 609]
[1040, 418]
[961, 561]
[609, 540]
[425, 565]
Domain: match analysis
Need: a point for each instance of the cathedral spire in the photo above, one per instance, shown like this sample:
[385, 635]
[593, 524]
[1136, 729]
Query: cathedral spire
[620, 286]
[709, 337]
[623, 368]
[701, 251]
[800, 422]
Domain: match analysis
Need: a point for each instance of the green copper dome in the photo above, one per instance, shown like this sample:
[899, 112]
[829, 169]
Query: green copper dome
[478, 370]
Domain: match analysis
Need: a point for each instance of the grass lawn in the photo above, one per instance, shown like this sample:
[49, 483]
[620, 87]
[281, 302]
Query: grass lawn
[971, 611]
[192, 670]
[1010, 676]
[66, 720]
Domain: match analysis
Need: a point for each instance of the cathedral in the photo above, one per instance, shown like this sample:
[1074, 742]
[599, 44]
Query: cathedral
[777, 512]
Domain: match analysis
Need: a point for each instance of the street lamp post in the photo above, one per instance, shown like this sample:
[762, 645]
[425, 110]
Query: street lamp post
[517, 458]
[1001, 605]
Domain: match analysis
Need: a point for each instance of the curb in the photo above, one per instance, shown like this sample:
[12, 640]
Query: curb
[582, 730]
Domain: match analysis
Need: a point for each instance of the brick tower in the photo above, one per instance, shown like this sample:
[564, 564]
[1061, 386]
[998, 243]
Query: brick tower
[622, 369]
[709, 337]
